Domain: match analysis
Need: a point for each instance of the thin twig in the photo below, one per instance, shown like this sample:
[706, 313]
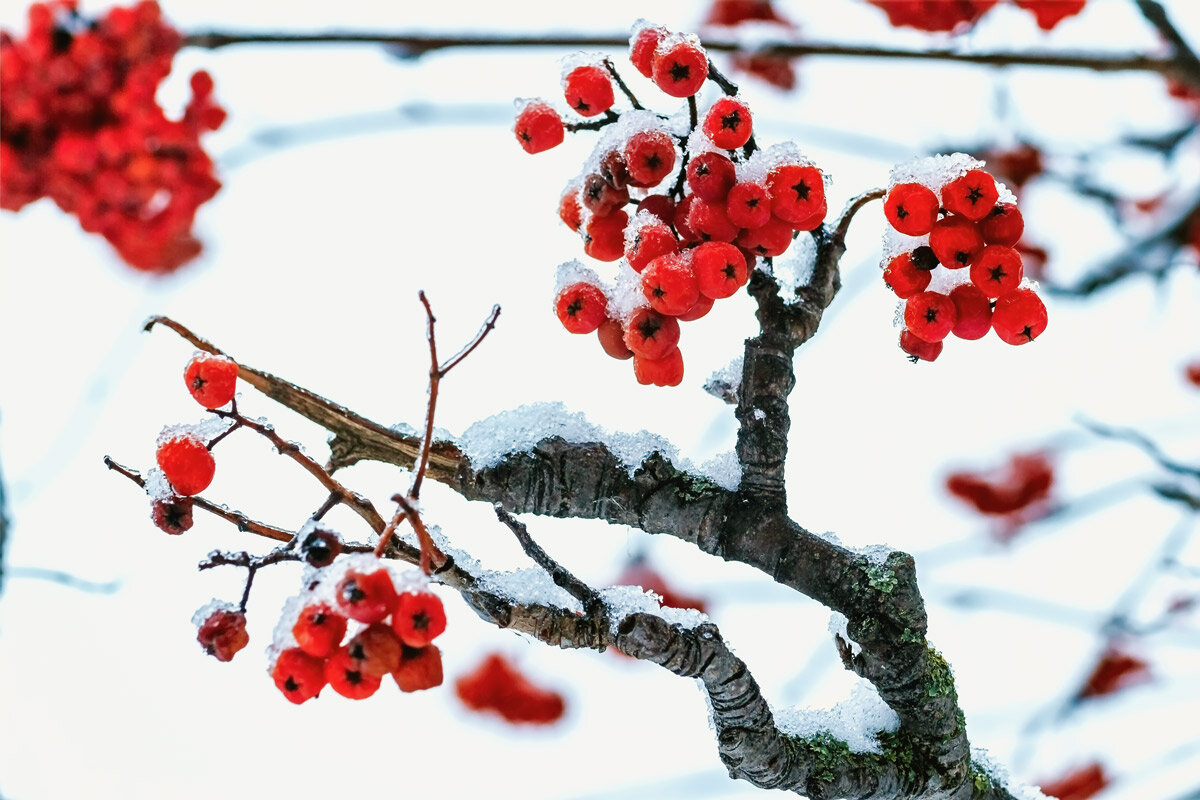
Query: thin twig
[560, 574]
[435, 375]
[852, 208]
[487, 328]
[432, 558]
[1143, 443]
[616, 76]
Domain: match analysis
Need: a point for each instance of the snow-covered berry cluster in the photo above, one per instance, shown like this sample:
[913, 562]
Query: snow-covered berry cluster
[956, 16]
[950, 257]
[709, 201]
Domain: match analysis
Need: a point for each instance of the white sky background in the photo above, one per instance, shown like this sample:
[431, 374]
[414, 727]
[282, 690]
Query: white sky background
[314, 255]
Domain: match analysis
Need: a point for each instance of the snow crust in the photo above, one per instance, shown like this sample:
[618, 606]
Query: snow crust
[625, 600]
[794, 268]
[837, 628]
[857, 720]
[999, 773]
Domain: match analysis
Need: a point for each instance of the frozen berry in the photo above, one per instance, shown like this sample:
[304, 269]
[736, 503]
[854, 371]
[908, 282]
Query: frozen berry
[612, 338]
[420, 668]
[797, 195]
[660, 205]
[588, 90]
[581, 307]
[320, 547]
[223, 633]
[211, 379]
[682, 209]
[973, 195]
[918, 349]
[650, 242]
[604, 236]
[568, 208]
[997, 270]
[669, 283]
[612, 169]
[345, 675]
[1003, 225]
[642, 46]
[930, 315]
[748, 205]
[538, 128]
[702, 306]
[172, 514]
[664, 371]
[319, 629]
[709, 222]
[366, 596]
[376, 648]
[600, 197]
[710, 176]
[720, 269]
[728, 123]
[681, 69]
[298, 675]
[186, 462]
[911, 208]
[419, 618]
[904, 277]
[768, 240]
[955, 241]
[1019, 316]
[973, 310]
[649, 157]
[651, 334]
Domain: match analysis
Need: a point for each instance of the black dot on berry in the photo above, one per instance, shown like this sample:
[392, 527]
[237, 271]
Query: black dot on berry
[702, 169]
[60, 40]
[731, 121]
[357, 652]
[801, 189]
[581, 106]
[658, 291]
[290, 684]
[353, 677]
[901, 212]
[962, 256]
[354, 594]
[761, 250]
[975, 195]
[931, 315]
[318, 618]
[653, 161]
[648, 327]
[752, 202]
[525, 137]
[730, 271]
[574, 308]
[420, 621]
[680, 72]
[1027, 332]
[997, 274]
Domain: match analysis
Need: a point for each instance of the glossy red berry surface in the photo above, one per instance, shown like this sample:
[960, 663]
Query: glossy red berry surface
[612, 338]
[1003, 225]
[660, 205]
[797, 195]
[376, 648]
[186, 463]
[649, 157]
[911, 208]
[211, 379]
[770, 239]
[904, 276]
[538, 127]
[588, 90]
[366, 596]
[973, 195]
[420, 669]
[680, 69]
[973, 310]
[1019, 316]
[748, 205]
[581, 307]
[642, 46]
[298, 675]
[319, 629]
[930, 315]
[604, 236]
[720, 269]
[997, 270]
[345, 675]
[650, 242]
[728, 123]
[955, 241]
[710, 176]
[650, 334]
[172, 515]
[709, 222]
[669, 283]
[419, 618]
[666, 370]
[917, 348]
[601, 197]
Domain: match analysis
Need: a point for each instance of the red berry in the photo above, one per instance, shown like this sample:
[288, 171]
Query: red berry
[419, 618]
[650, 242]
[997, 270]
[298, 675]
[612, 338]
[974, 312]
[1019, 316]
[600, 197]
[649, 157]
[604, 236]
[538, 128]
[918, 349]
[904, 276]
[320, 547]
[702, 307]
[420, 668]
[669, 283]
[771, 239]
[650, 334]
[1192, 373]
[345, 676]
[682, 209]
[1003, 225]
[973, 195]
[710, 176]
[642, 47]
[366, 596]
[709, 222]
[319, 630]
[728, 123]
[680, 70]
[1049, 13]
[186, 463]
[376, 648]
[588, 90]
[955, 241]
[660, 205]
[223, 633]
[797, 195]
[748, 205]
[720, 269]
[568, 208]
[172, 515]
[496, 685]
[930, 315]
[612, 169]
[911, 208]
[211, 379]
[665, 371]
[581, 307]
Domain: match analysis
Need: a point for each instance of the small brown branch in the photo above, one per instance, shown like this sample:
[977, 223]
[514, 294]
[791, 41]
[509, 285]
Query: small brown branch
[432, 558]
[852, 208]
[727, 86]
[435, 375]
[488, 325]
[616, 76]
[1184, 57]
[561, 575]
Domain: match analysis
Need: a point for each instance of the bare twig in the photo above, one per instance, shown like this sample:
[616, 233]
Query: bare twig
[1143, 443]
[561, 575]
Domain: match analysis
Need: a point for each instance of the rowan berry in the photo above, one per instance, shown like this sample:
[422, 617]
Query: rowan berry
[650, 334]
[538, 127]
[320, 547]
[211, 379]
[1003, 225]
[660, 205]
[1019, 316]
[186, 463]
[319, 629]
[911, 208]
[797, 195]
[917, 348]
[223, 633]
[997, 270]
[298, 675]
[172, 514]
[728, 123]
[419, 618]
[710, 176]
[650, 242]
[720, 269]
[1049, 13]
[604, 236]
[600, 197]
[930, 315]
[612, 338]
[702, 306]
[904, 277]
[376, 648]
[588, 90]
[682, 209]
[568, 208]
[420, 668]
[770, 239]
[664, 371]
[1192, 373]
[366, 596]
[581, 307]
[642, 46]
[345, 675]
[649, 157]
[973, 195]
[955, 241]
[669, 283]
[612, 169]
[973, 310]
[748, 205]
[496, 685]
[709, 222]
[679, 69]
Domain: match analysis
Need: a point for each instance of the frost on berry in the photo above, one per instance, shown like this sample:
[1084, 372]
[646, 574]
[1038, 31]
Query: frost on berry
[420, 668]
[642, 44]
[419, 618]
[298, 675]
[366, 596]
[538, 126]
[221, 630]
[185, 461]
[588, 90]
[581, 307]
[679, 66]
[211, 379]
[172, 515]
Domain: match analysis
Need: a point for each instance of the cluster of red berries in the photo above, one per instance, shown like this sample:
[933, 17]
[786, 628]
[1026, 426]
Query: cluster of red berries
[948, 213]
[496, 685]
[394, 637]
[957, 16]
[689, 245]
[183, 456]
[79, 123]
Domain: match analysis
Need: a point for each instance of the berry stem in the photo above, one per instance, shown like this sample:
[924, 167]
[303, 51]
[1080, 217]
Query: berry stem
[727, 86]
[435, 375]
[488, 325]
[693, 113]
[326, 507]
[616, 76]
[852, 208]
[431, 555]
